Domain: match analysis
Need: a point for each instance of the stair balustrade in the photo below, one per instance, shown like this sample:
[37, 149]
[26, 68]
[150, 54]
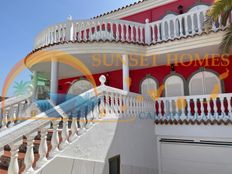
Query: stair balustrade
[83, 111]
[12, 109]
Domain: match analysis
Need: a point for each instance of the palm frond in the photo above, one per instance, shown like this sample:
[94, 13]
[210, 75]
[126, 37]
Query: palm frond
[225, 16]
[226, 44]
[219, 7]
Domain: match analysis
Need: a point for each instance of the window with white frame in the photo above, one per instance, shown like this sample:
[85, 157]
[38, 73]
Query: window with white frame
[174, 86]
[149, 87]
[203, 83]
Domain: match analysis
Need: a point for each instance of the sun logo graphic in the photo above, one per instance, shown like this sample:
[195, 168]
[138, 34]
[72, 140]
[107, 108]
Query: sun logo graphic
[156, 93]
[216, 89]
[139, 98]
[128, 81]
[123, 108]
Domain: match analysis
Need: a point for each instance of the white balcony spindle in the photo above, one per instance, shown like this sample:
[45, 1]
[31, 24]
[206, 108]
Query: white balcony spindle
[199, 23]
[215, 106]
[14, 165]
[132, 33]
[209, 111]
[29, 157]
[141, 34]
[54, 140]
[74, 129]
[122, 32]
[64, 134]
[229, 105]
[193, 24]
[137, 33]
[127, 32]
[181, 26]
[223, 108]
[43, 148]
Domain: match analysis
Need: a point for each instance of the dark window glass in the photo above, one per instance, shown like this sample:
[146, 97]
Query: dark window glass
[114, 165]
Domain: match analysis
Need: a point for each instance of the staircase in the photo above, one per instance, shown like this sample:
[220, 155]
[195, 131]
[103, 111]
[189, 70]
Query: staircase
[28, 146]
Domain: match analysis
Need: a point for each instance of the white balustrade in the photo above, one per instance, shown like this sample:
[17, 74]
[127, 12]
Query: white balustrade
[11, 110]
[201, 107]
[120, 30]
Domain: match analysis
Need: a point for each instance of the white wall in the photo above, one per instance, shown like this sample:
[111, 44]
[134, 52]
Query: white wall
[134, 141]
[191, 158]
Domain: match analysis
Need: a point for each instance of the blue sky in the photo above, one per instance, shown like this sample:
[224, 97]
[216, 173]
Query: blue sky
[21, 20]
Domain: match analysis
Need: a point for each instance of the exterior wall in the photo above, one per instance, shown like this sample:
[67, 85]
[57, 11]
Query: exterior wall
[159, 12]
[182, 158]
[159, 73]
[134, 141]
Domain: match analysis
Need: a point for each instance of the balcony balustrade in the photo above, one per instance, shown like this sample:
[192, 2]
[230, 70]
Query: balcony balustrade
[214, 109]
[187, 24]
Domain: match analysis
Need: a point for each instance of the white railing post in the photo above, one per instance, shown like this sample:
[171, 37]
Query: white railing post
[69, 30]
[55, 139]
[43, 148]
[229, 105]
[29, 157]
[199, 23]
[14, 165]
[147, 32]
[64, 134]
[74, 129]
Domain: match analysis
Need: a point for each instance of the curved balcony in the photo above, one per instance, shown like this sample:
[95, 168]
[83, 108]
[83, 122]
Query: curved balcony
[188, 24]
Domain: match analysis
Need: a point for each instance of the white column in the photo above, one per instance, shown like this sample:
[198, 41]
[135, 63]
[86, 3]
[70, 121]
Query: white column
[125, 72]
[34, 81]
[54, 81]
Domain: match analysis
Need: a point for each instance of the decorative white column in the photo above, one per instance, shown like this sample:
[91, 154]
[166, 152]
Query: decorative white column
[54, 81]
[125, 73]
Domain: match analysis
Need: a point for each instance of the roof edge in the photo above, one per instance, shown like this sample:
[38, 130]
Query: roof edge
[134, 8]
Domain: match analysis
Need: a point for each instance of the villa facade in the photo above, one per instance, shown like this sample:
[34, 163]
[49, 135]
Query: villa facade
[139, 90]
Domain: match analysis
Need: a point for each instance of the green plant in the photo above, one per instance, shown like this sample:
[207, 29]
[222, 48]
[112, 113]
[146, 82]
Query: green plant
[221, 10]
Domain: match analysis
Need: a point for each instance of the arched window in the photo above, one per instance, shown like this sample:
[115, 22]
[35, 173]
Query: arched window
[174, 86]
[203, 83]
[149, 87]
[79, 87]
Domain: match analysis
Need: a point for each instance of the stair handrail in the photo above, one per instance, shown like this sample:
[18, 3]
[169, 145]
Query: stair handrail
[98, 103]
